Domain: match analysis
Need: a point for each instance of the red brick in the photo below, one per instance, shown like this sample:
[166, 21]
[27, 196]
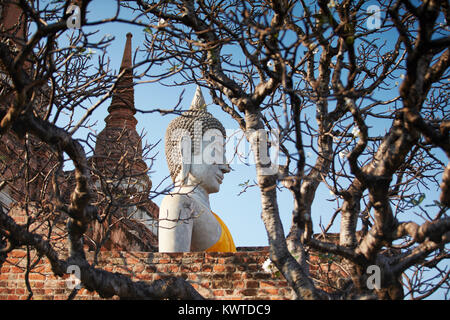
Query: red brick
[132, 261]
[240, 268]
[15, 269]
[219, 276]
[10, 290]
[5, 268]
[173, 268]
[253, 267]
[138, 268]
[268, 291]
[20, 220]
[37, 284]
[238, 284]
[49, 291]
[112, 254]
[219, 268]
[218, 293]
[265, 284]
[41, 269]
[174, 255]
[186, 268]
[20, 291]
[236, 276]
[247, 292]
[36, 276]
[162, 261]
[261, 275]
[252, 284]
[282, 283]
[230, 268]
[192, 277]
[207, 268]
[38, 291]
[144, 277]
[18, 254]
[222, 284]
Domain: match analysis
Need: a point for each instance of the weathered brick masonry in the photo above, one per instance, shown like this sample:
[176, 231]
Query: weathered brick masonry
[215, 275]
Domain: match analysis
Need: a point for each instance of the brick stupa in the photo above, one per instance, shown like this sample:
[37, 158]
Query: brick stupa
[119, 161]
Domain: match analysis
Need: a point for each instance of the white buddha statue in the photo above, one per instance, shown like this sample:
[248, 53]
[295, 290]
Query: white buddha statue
[194, 147]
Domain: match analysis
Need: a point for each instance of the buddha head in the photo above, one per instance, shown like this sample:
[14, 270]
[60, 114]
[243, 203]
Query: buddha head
[194, 147]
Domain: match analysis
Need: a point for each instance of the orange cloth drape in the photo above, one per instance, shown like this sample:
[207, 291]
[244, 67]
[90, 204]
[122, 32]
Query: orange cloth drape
[225, 242]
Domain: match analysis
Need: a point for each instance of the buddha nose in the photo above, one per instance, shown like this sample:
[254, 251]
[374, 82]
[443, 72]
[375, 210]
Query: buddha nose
[225, 168]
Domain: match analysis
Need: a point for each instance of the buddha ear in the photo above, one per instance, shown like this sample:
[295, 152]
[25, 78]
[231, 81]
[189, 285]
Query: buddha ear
[184, 173]
[186, 159]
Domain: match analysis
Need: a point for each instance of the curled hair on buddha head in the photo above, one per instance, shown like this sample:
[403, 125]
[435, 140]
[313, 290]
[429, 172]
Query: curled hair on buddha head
[184, 135]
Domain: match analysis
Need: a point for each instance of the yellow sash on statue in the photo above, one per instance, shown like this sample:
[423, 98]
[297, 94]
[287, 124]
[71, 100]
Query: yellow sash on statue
[225, 242]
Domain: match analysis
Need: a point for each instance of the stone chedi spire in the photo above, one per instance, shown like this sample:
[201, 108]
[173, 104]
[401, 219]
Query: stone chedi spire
[118, 151]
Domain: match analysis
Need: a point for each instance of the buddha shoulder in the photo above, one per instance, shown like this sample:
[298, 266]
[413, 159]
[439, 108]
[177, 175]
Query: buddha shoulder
[178, 204]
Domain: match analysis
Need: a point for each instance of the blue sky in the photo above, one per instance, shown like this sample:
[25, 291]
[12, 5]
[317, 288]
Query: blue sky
[242, 213]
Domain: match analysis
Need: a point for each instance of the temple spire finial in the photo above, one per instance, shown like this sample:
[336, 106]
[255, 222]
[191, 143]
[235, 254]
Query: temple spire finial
[123, 94]
[198, 102]
[127, 54]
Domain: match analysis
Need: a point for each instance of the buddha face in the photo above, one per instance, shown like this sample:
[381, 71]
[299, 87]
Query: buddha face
[209, 171]
[209, 176]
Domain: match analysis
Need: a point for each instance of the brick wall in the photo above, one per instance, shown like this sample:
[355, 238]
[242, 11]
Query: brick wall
[215, 275]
